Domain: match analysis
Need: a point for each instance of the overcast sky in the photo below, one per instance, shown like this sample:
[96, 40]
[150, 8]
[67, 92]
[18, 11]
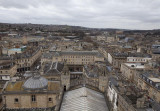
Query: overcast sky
[127, 14]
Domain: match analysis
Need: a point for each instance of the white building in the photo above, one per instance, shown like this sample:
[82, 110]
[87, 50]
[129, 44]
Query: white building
[129, 71]
[138, 59]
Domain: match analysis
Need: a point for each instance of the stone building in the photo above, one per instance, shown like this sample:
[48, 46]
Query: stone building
[103, 51]
[46, 57]
[53, 70]
[124, 96]
[27, 59]
[65, 78]
[91, 73]
[116, 59]
[151, 82]
[155, 51]
[81, 57]
[7, 71]
[129, 71]
[96, 76]
[139, 58]
[76, 57]
[34, 93]
[110, 39]
[102, 79]
[76, 75]
[125, 48]
[101, 38]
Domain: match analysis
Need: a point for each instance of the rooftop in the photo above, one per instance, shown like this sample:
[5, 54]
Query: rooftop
[152, 79]
[6, 65]
[135, 65]
[35, 82]
[139, 55]
[120, 54]
[47, 55]
[27, 54]
[91, 53]
[18, 86]
[15, 49]
[155, 79]
[83, 99]
[53, 68]
[91, 70]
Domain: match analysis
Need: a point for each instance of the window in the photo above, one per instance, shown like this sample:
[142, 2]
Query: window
[33, 98]
[49, 99]
[16, 100]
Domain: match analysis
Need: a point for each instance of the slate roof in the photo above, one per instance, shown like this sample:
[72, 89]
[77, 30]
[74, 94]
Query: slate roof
[150, 77]
[53, 68]
[92, 53]
[47, 55]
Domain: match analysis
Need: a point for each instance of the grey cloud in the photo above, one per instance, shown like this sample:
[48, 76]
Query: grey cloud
[134, 14]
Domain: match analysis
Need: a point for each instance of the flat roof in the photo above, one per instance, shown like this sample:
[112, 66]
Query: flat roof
[135, 65]
[155, 79]
[16, 49]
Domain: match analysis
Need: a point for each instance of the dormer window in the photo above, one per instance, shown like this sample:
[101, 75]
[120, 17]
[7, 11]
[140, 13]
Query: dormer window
[157, 85]
[143, 77]
[150, 82]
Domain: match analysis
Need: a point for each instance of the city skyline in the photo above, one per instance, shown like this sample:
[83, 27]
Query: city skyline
[123, 14]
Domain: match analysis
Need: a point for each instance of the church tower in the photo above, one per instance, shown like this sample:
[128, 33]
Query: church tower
[102, 79]
[65, 77]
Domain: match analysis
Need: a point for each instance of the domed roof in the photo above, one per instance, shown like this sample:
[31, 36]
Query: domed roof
[35, 82]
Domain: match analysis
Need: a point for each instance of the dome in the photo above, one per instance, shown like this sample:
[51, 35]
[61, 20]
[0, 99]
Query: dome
[35, 82]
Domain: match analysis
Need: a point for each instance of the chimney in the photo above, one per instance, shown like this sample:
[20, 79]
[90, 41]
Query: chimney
[140, 102]
[119, 83]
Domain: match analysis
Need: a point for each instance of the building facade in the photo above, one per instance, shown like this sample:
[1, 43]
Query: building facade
[151, 83]
[26, 60]
[37, 92]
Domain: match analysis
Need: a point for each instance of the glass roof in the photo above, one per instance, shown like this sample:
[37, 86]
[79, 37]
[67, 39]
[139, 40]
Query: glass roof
[83, 99]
